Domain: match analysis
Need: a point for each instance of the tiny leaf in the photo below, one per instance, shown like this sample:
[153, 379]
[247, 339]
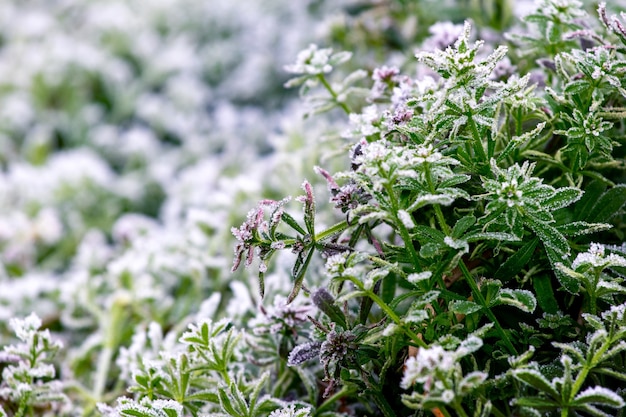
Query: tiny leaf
[522, 299]
[536, 380]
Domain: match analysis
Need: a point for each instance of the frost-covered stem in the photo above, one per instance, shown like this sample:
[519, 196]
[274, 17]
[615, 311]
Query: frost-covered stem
[478, 144]
[593, 299]
[23, 404]
[333, 93]
[102, 371]
[111, 340]
[332, 230]
[438, 213]
[388, 311]
[404, 233]
[588, 366]
[518, 122]
[478, 297]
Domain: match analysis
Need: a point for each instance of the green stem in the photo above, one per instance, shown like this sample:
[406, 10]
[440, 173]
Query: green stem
[332, 230]
[404, 233]
[102, 371]
[478, 297]
[459, 408]
[478, 144]
[112, 331]
[389, 312]
[23, 404]
[438, 213]
[332, 93]
[344, 391]
[587, 367]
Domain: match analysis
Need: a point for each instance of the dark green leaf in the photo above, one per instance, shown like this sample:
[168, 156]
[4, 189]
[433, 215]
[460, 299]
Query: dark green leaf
[517, 261]
[569, 283]
[464, 307]
[134, 413]
[563, 197]
[545, 294]
[299, 278]
[582, 228]
[462, 225]
[537, 403]
[286, 217]
[549, 235]
[608, 205]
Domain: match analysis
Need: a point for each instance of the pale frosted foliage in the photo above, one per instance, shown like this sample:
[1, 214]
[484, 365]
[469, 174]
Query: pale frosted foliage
[596, 258]
[291, 411]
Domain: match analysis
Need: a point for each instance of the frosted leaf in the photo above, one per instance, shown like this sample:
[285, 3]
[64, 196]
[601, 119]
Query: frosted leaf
[599, 395]
[406, 219]
[291, 411]
[414, 278]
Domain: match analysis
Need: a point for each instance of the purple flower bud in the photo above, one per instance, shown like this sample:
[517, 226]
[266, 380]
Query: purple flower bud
[303, 353]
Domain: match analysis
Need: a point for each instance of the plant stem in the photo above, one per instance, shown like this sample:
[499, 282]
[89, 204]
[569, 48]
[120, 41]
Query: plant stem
[344, 391]
[478, 144]
[459, 408]
[438, 213]
[478, 297]
[333, 94]
[389, 312]
[332, 230]
[404, 233]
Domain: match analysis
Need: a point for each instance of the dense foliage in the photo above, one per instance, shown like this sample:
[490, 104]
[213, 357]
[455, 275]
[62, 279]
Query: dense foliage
[456, 250]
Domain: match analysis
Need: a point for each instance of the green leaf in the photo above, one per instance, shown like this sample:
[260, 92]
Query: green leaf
[537, 403]
[454, 180]
[471, 381]
[582, 228]
[258, 386]
[135, 413]
[203, 396]
[545, 294]
[584, 206]
[549, 235]
[430, 249]
[299, 278]
[464, 307]
[499, 236]
[225, 402]
[571, 284]
[577, 86]
[535, 379]
[517, 261]
[170, 413]
[522, 299]
[427, 234]
[608, 205]
[286, 217]
[599, 395]
[563, 197]
[462, 225]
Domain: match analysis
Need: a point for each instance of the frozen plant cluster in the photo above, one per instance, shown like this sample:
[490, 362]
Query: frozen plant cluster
[440, 222]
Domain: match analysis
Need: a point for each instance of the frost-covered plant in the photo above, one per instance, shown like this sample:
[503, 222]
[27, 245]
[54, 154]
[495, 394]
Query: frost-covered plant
[457, 270]
[471, 193]
[29, 384]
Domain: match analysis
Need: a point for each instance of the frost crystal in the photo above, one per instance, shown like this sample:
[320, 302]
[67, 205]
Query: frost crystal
[290, 411]
[596, 258]
[311, 61]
